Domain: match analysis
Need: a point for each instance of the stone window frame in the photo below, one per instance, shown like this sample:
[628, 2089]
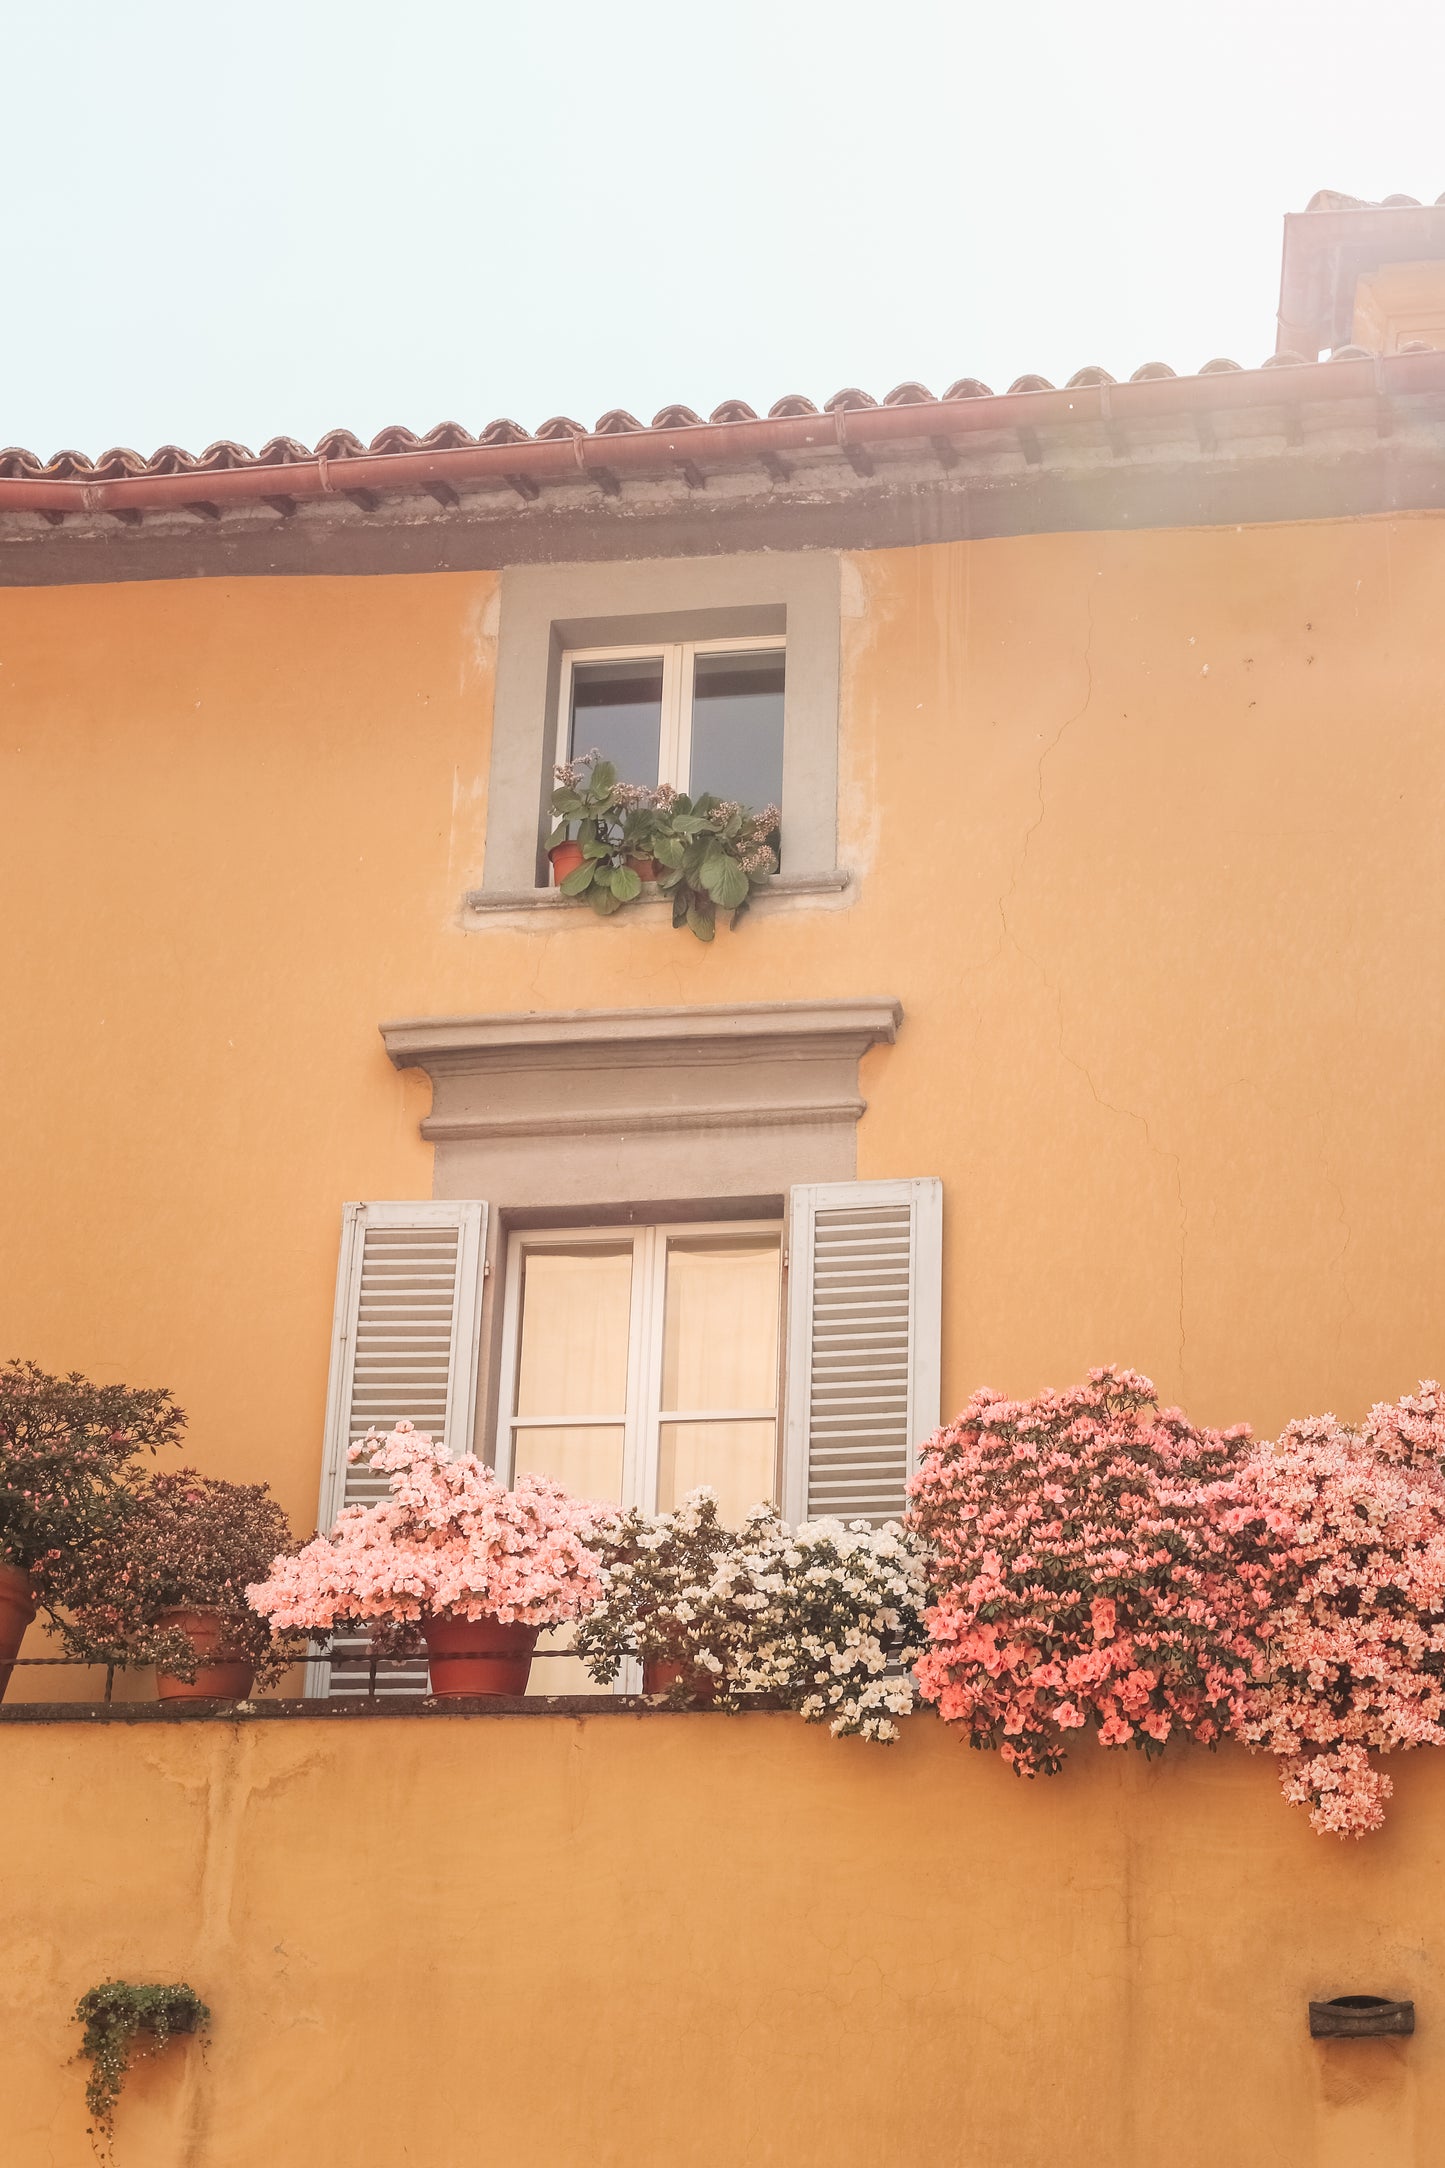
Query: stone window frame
[546, 609]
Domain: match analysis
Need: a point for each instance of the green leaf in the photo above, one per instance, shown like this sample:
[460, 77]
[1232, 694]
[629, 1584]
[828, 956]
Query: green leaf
[603, 778]
[567, 804]
[724, 880]
[595, 848]
[603, 902]
[680, 905]
[701, 921]
[579, 879]
[625, 883]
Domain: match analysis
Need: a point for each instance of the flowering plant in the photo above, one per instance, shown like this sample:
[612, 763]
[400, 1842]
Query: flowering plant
[657, 1571]
[116, 2015]
[1357, 1637]
[824, 1618]
[817, 1619]
[67, 1448]
[191, 1542]
[449, 1539]
[1097, 1561]
[712, 853]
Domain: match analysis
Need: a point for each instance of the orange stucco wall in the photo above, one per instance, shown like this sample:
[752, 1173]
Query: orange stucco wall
[1145, 830]
[1146, 836]
[642, 1941]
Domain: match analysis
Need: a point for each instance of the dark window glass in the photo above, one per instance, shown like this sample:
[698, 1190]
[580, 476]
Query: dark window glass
[737, 726]
[617, 706]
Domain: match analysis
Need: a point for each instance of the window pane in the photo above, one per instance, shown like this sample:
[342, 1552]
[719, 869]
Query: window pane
[617, 707]
[737, 1459]
[737, 726]
[585, 1459]
[720, 1328]
[576, 1306]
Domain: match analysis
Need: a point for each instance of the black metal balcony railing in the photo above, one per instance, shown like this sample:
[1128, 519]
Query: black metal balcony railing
[85, 1663]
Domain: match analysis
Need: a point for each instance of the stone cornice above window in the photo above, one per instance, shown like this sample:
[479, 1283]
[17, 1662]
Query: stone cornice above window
[620, 1072]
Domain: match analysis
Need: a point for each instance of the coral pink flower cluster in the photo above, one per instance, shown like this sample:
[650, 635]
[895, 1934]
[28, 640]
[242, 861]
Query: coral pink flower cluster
[450, 1538]
[1357, 1636]
[1096, 1562]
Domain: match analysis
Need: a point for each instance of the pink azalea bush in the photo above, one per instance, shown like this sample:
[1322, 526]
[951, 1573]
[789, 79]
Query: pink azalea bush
[1096, 1561]
[1356, 1637]
[450, 1538]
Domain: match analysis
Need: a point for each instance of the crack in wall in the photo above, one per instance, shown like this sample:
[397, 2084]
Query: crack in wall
[1044, 757]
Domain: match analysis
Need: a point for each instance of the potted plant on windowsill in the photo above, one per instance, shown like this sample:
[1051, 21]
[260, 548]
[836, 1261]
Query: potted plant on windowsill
[476, 1569]
[715, 854]
[585, 806]
[168, 1589]
[707, 854]
[657, 1569]
[67, 1449]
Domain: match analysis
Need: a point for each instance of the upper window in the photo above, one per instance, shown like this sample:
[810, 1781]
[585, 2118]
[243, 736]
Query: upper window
[702, 715]
[642, 1362]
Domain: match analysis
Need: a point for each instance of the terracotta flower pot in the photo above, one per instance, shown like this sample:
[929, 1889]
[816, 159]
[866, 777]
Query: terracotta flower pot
[217, 1678]
[566, 858]
[646, 869]
[659, 1677]
[17, 1609]
[478, 1655]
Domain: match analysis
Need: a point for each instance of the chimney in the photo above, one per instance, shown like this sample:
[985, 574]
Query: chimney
[1370, 275]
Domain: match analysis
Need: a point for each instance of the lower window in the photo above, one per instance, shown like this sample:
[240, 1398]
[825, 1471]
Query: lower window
[642, 1362]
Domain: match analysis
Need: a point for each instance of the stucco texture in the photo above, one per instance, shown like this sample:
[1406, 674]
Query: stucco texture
[1144, 831]
[468, 1943]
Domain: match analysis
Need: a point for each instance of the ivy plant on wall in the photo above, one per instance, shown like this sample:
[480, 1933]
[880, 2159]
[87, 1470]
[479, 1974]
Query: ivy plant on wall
[117, 2016]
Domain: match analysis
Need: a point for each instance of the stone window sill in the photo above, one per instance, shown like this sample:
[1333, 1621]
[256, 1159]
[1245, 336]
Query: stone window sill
[485, 906]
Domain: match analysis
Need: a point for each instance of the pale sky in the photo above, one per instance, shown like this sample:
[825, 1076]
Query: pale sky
[244, 218]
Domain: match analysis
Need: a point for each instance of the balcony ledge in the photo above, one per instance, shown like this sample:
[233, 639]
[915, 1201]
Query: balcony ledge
[362, 1710]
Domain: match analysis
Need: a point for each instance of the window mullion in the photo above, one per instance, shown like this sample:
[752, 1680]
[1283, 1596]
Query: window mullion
[654, 1295]
[634, 1449]
[677, 696]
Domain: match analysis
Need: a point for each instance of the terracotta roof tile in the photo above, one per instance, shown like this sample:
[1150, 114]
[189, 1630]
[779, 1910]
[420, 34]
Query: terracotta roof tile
[123, 464]
[1332, 199]
[338, 444]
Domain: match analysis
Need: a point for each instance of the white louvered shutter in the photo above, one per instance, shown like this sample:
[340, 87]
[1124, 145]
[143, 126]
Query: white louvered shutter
[405, 1344]
[865, 1270]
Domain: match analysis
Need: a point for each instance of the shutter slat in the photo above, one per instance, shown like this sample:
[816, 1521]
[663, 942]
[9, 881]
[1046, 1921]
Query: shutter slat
[406, 1348]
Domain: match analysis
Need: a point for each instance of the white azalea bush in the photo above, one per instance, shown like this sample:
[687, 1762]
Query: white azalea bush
[823, 1619]
[657, 1607]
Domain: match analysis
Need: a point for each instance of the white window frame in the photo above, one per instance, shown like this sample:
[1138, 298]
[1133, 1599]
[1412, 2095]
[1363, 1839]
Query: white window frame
[674, 752]
[644, 1415]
